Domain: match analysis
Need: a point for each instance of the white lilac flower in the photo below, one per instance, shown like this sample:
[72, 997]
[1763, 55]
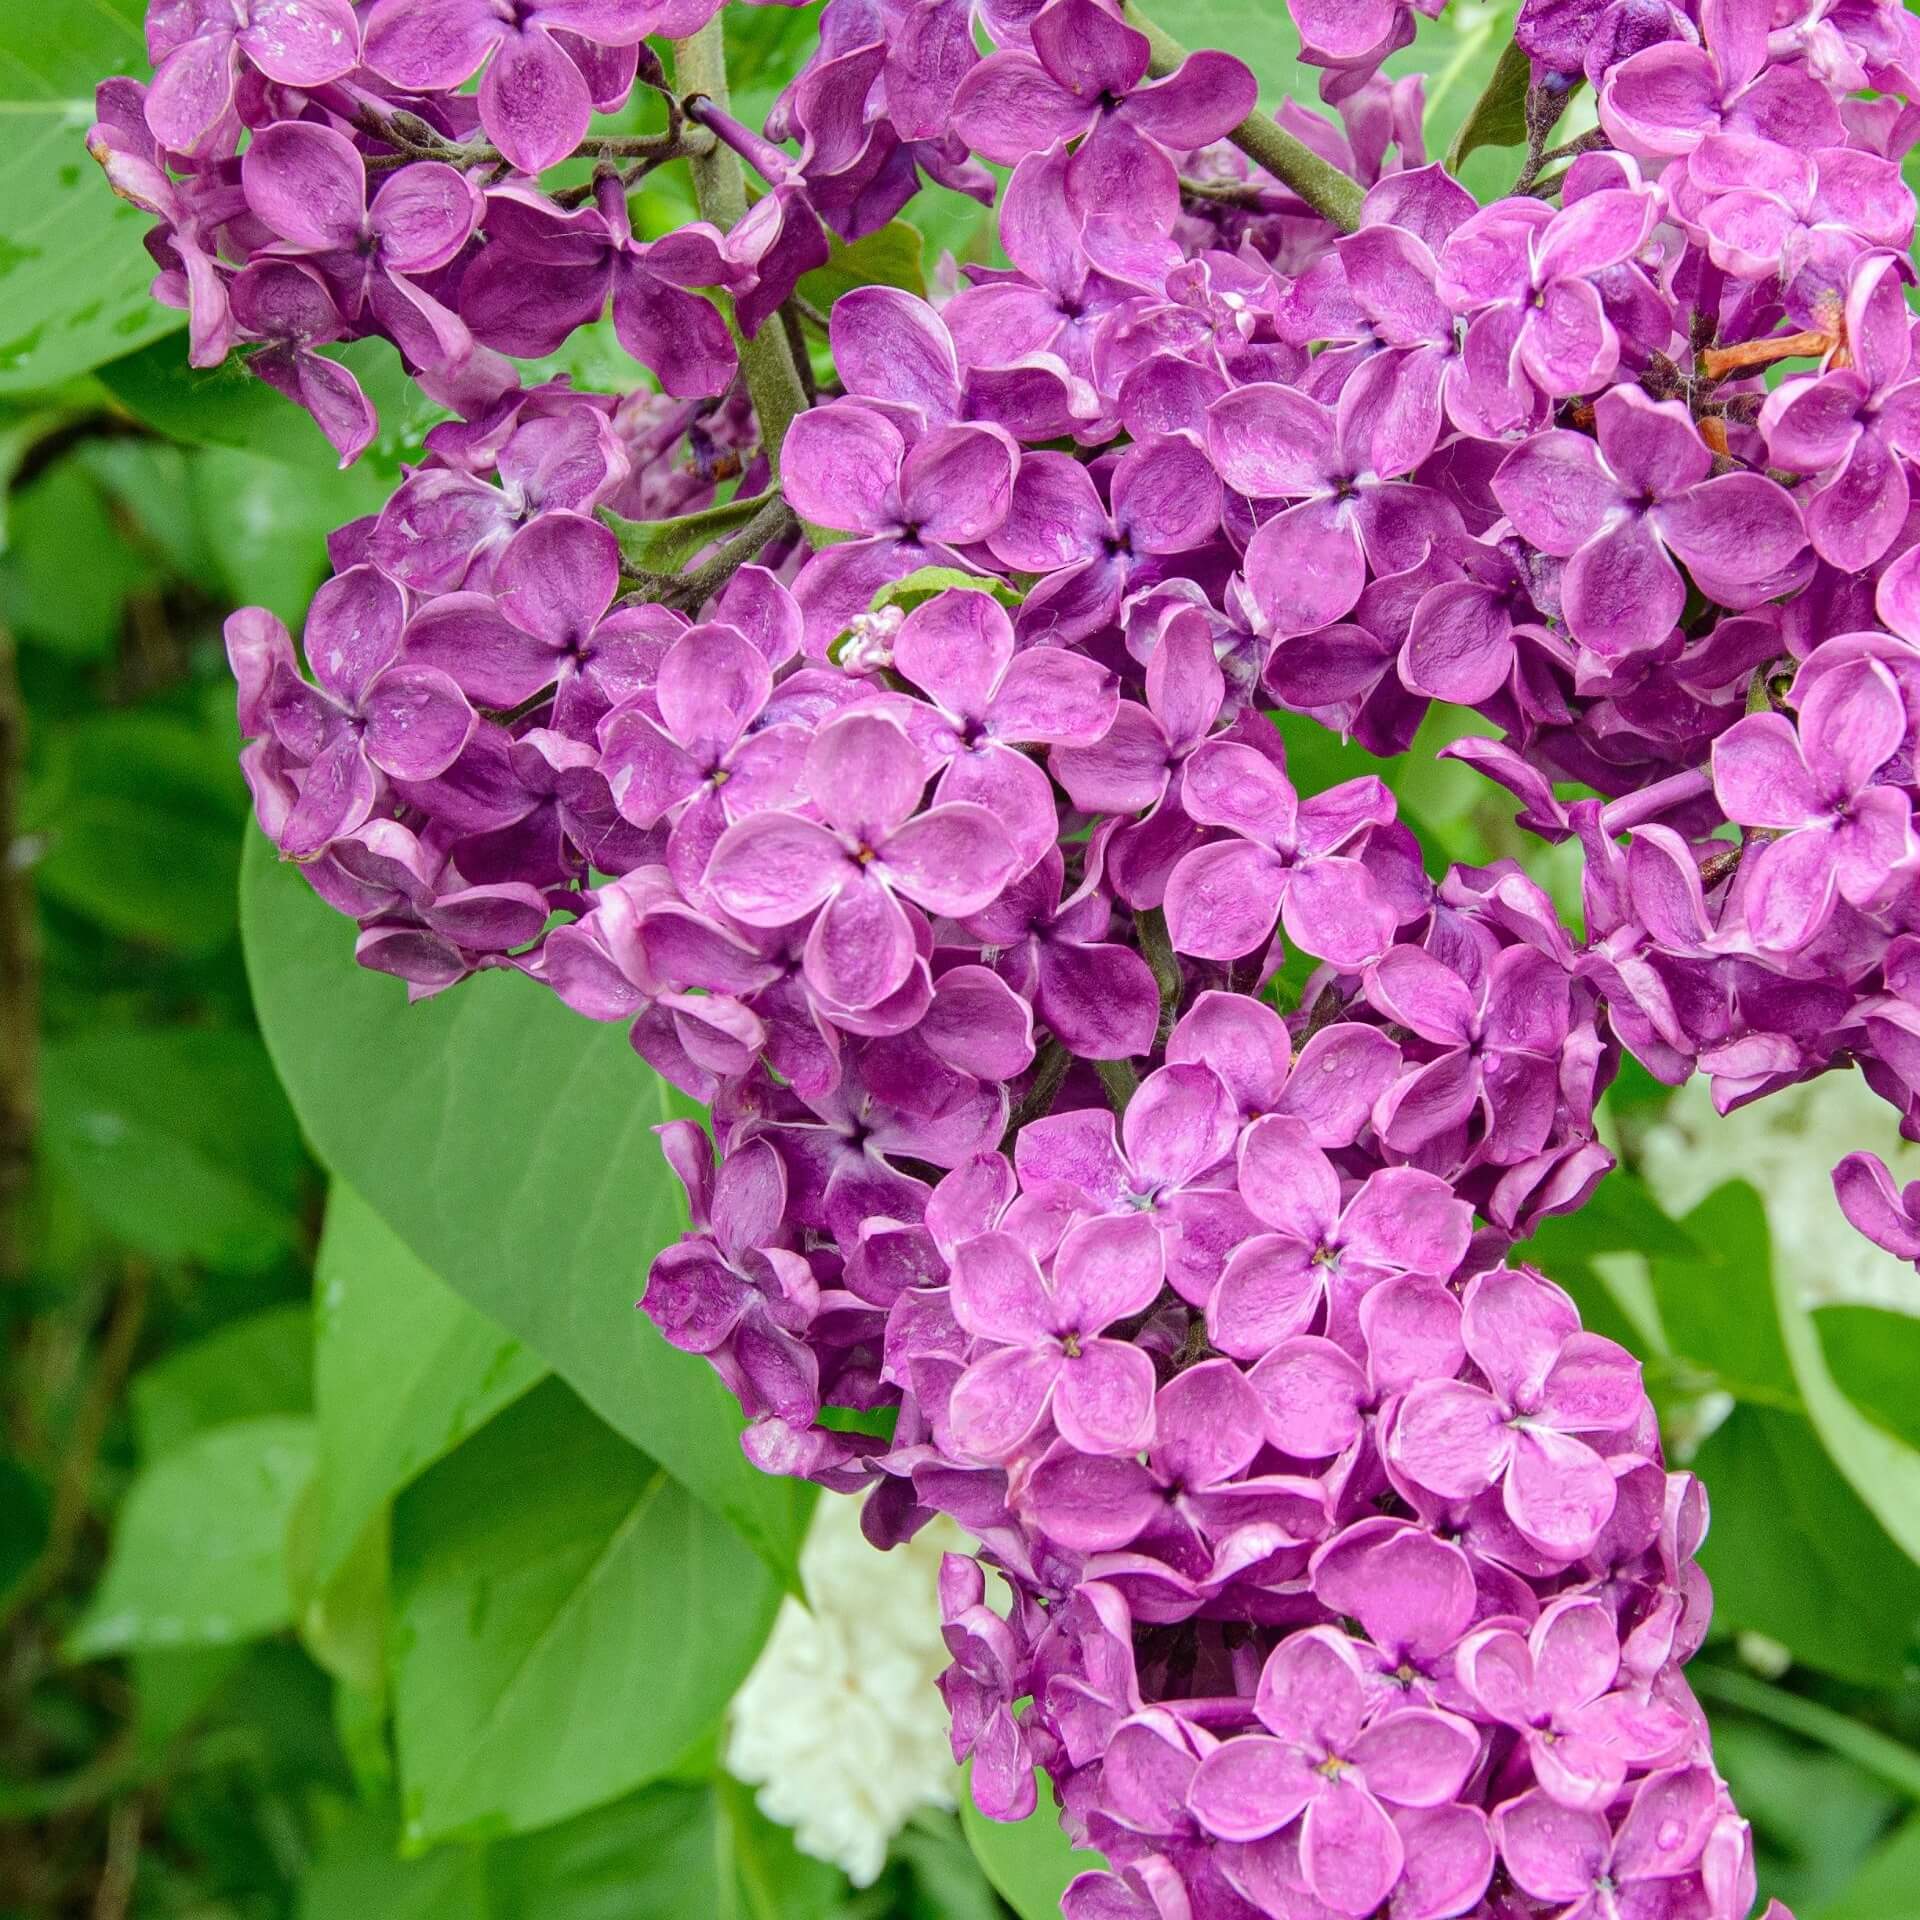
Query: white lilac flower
[839, 1724]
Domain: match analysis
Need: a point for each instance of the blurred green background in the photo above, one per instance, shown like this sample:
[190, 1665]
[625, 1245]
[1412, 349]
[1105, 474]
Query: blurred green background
[361, 1558]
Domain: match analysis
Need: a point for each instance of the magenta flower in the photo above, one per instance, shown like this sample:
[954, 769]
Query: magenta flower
[1804, 216]
[1306, 566]
[698, 754]
[958, 649]
[190, 212]
[876, 846]
[1669, 97]
[731, 1290]
[289, 311]
[309, 185]
[1099, 998]
[850, 468]
[1085, 76]
[1854, 424]
[372, 713]
[1169, 1161]
[535, 98]
[1320, 1245]
[547, 623]
[1330, 1088]
[1044, 1335]
[1838, 835]
[1548, 1384]
[1533, 278]
[1289, 859]
[1589, 1871]
[1316, 1397]
[1136, 763]
[1622, 513]
[890, 1102]
[1330, 1759]
[1501, 1038]
[445, 527]
[1553, 1686]
[543, 274]
[1412, 1593]
[1165, 499]
[1888, 1215]
[198, 46]
[1206, 1429]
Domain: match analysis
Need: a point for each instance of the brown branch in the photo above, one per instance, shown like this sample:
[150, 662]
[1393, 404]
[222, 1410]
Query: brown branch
[1717, 362]
[73, 1489]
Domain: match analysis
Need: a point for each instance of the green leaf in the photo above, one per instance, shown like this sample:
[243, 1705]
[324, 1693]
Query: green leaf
[924, 582]
[1717, 1303]
[1031, 1862]
[405, 1370]
[26, 1511]
[199, 1554]
[1887, 1887]
[1874, 1356]
[71, 571]
[1815, 1818]
[665, 546]
[177, 1140]
[259, 1364]
[267, 532]
[1793, 1553]
[892, 256]
[1262, 35]
[135, 813]
[1498, 118]
[670, 1852]
[358, 1874]
[1804, 1546]
[508, 1142]
[74, 276]
[566, 1621]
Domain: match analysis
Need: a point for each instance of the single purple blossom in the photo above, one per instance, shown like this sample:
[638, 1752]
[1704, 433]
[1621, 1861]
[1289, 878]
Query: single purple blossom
[1329, 1759]
[1621, 513]
[875, 846]
[1044, 1335]
[1550, 1383]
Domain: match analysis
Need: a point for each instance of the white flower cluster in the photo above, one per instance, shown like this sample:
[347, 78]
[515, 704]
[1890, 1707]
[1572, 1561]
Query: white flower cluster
[1785, 1147]
[839, 1724]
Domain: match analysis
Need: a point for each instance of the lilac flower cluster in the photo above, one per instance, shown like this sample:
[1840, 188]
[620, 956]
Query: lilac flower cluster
[1115, 1147]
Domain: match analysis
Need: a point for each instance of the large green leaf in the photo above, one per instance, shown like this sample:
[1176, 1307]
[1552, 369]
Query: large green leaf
[1794, 1555]
[261, 1363]
[404, 1371]
[1874, 1357]
[177, 1141]
[199, 1554]
[670, 1852]
[1031, 1862]
[69, 575]
[1887, 1887]
[508, 1143]
[135, 812]
[73, 274]
[567, 1621]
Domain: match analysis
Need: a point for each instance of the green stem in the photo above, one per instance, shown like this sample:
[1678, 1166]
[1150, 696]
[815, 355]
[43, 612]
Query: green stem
[1120, 1081]
[1156, 946]
[720, 187]
[1322, 186]
[1871, 1751]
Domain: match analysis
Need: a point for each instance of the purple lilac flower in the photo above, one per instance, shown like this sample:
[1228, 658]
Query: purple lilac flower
[539, 90]
[1621, 514]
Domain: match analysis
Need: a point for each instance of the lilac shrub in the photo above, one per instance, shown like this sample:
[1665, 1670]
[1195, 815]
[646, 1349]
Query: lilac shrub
[1141, 1140]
